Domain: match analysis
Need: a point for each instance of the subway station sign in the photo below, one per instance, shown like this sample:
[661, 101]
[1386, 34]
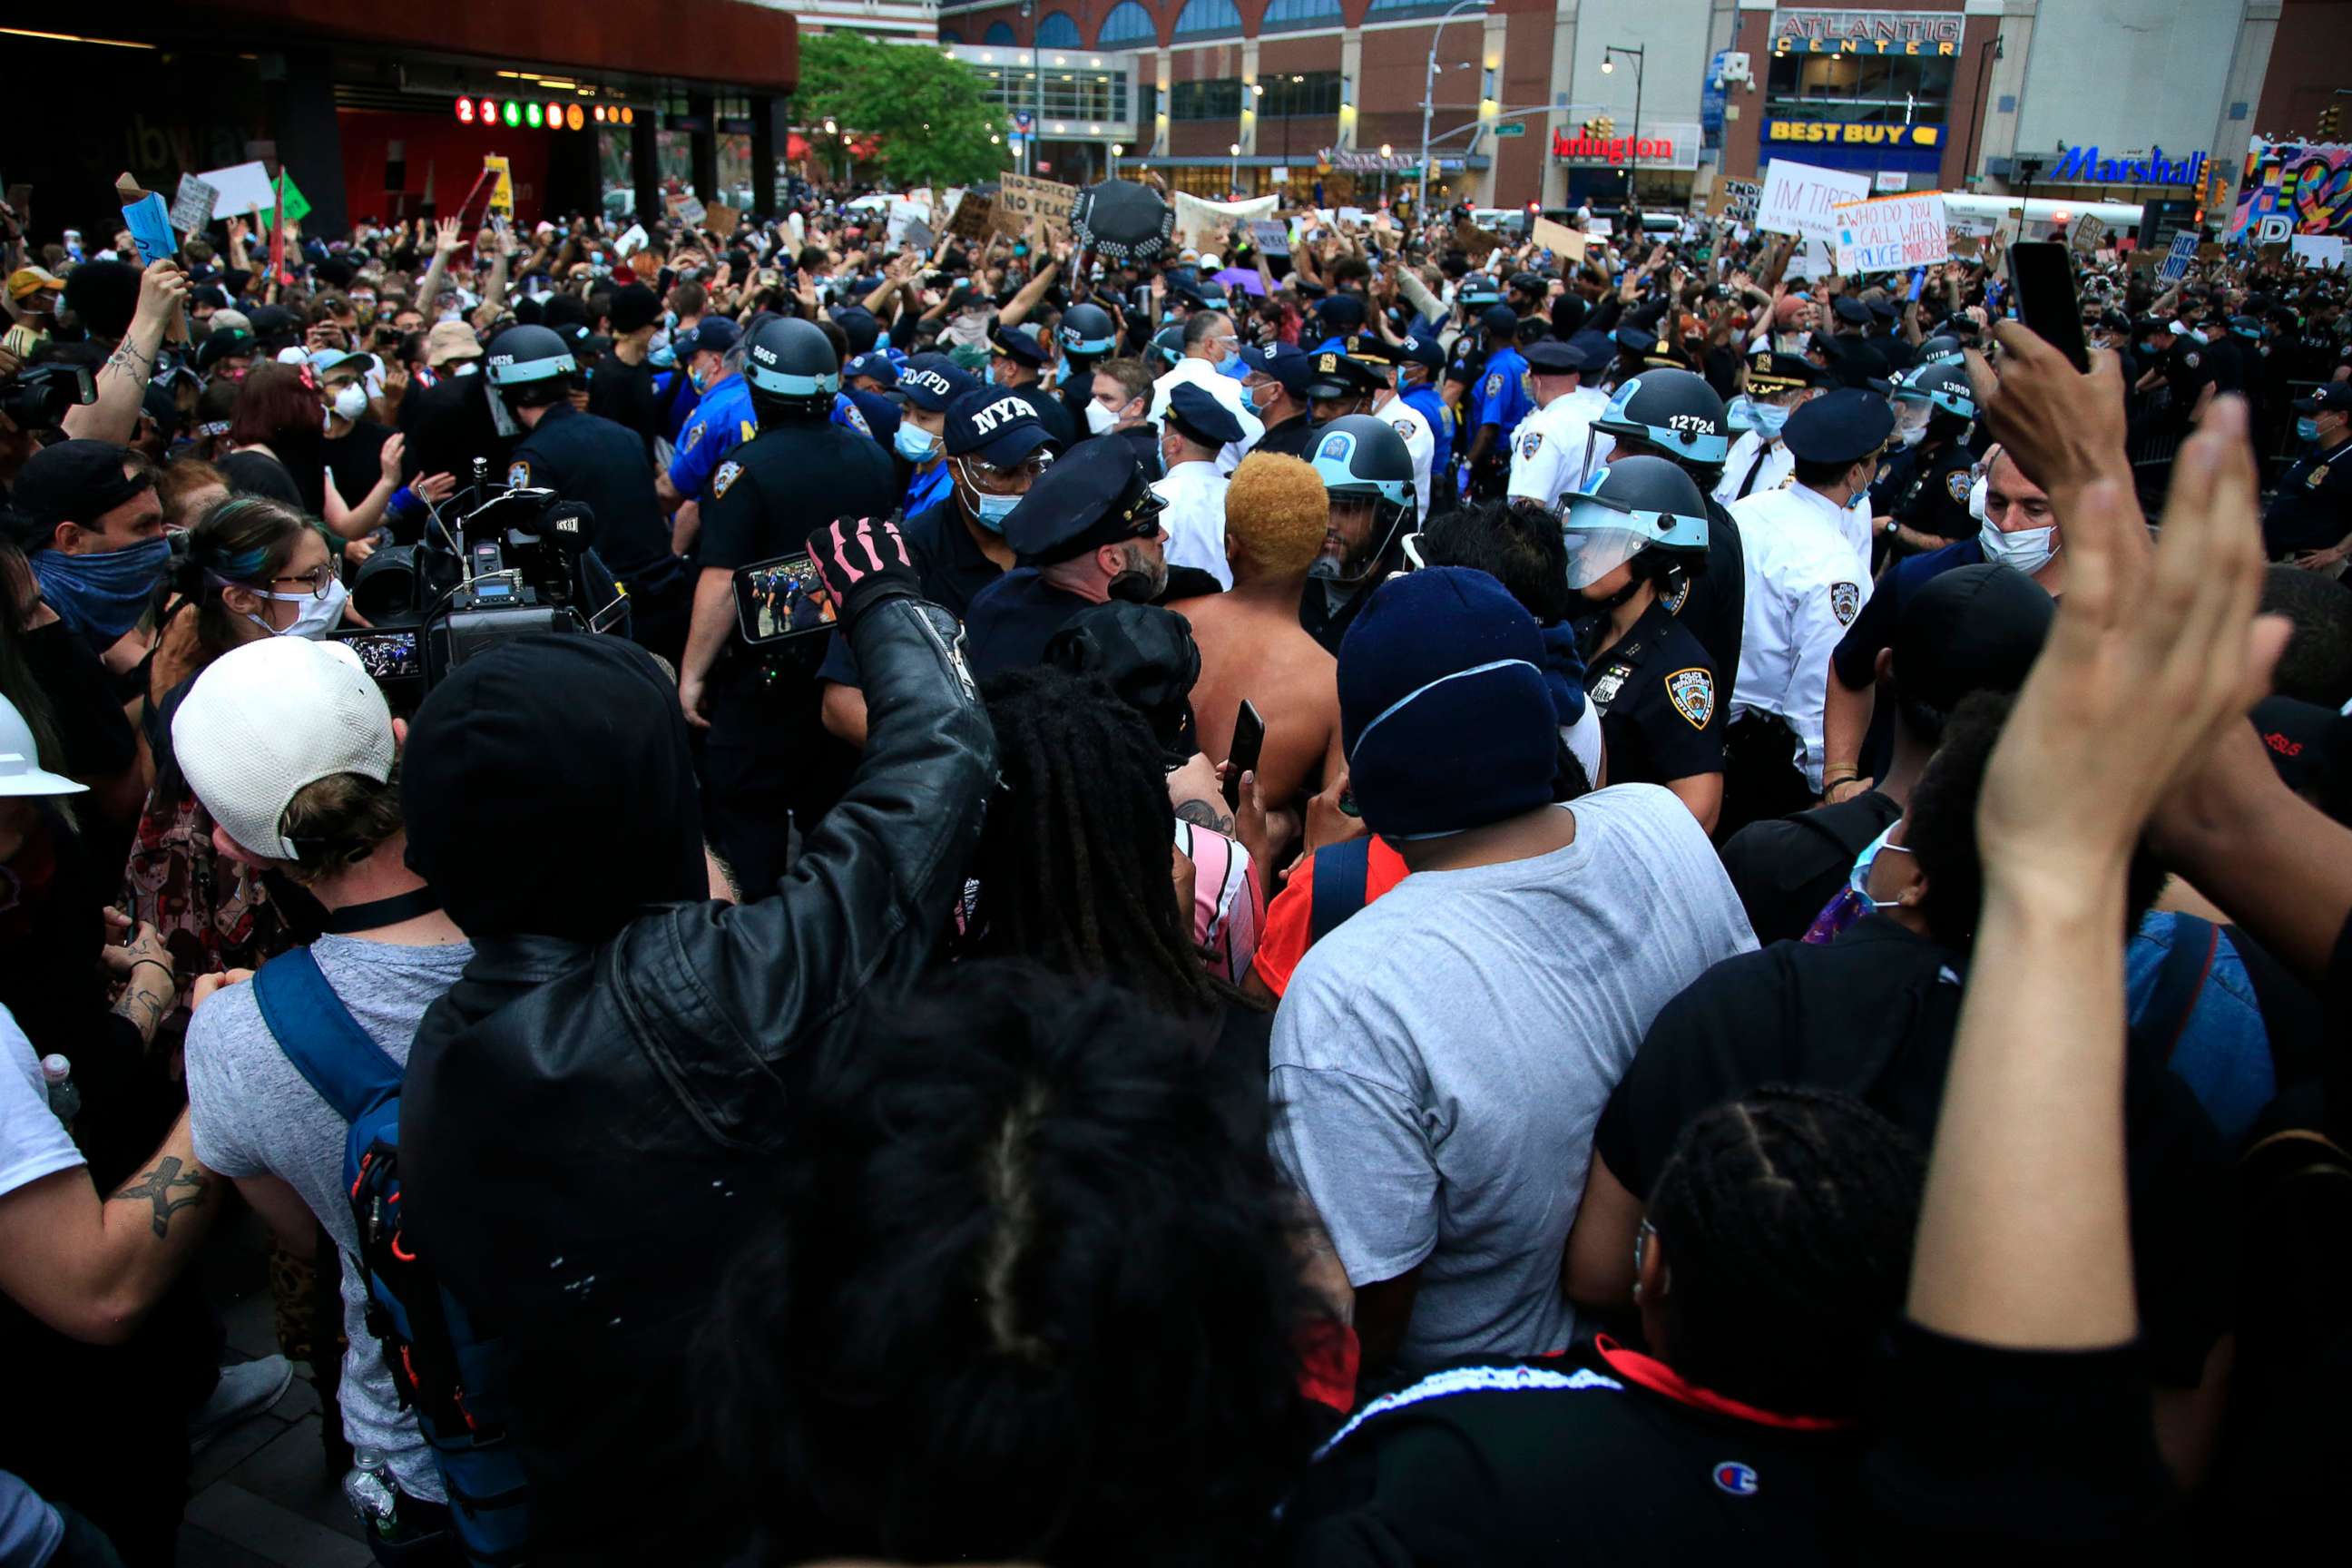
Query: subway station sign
[1834, 132]
[1808, 32]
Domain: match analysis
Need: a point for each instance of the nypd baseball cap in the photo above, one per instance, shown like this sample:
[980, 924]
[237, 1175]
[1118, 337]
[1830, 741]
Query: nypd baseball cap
[994, 425]
[931, 381]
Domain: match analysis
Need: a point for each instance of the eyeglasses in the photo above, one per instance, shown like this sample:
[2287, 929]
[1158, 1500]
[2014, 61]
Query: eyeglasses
[990, 474]
[321, 577]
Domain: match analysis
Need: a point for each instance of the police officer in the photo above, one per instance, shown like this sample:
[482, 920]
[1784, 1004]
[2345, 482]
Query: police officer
[1420, 362]
[924, 387]
[1921, 499]
[1554, 449]
[1338, 385]
[1018, 366]
[1087, 337]
[591, 460]
[1635, 531]
[1387, 405]
[1675, 415]
[1367, 472]
[1087, 531]
[720, 422]
[1808, 578]
[766, 757]
[868, 380]
[1502, 400]
[2310, 519]
[1276, 389]
[1195, 429]
[1760, 459]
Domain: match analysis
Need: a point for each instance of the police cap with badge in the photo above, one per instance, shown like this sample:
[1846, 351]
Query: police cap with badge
[1095, 495]
[1842, 427]
[1334, 374]
[1769, 375]
[1197, 416]
[1426, 352]
[1555, 356]
[874, 365]
[1017, 343]
[1283, 363]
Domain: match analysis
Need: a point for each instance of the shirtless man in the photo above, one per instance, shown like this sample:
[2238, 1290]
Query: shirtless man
[1252, 646]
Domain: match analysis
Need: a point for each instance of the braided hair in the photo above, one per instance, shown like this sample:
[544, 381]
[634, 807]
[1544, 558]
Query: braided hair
[1787, 1218]
[1073, 866]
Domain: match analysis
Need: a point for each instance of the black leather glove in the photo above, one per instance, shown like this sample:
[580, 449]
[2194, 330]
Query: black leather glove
[863, 562]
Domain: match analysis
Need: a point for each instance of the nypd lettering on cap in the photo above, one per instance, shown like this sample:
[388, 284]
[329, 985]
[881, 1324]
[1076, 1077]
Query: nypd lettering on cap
[928, 381]
[1003, 412]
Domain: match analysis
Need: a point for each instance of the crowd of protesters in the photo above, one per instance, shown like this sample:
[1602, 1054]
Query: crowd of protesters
[1410, 900]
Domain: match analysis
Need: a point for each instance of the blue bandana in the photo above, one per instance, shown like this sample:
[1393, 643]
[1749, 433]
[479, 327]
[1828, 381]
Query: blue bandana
[101, 596]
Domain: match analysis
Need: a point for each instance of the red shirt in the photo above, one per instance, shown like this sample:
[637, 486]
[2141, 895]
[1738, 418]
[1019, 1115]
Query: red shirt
[1289, 919]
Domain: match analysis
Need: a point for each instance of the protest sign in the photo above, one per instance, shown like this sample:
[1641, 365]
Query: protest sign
[2318, 250]
[918, 235]
[1891, 180]
[2088, 234]
[2176, 261]
[973, 216]
[686, 209]
[1740, 198]
[1600, 228]
[240, 189]
[501, 185]
[1890, 233]
[721, 219]
[1802, 200]
[1022, 202]
[192, 206]
[149, 221]
[1271, 236]
[1475, 241]
[1563, 241]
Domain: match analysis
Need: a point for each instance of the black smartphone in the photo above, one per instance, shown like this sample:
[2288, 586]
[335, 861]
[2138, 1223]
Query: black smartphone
[781, 598]
[1249, 739]
[2043, 272]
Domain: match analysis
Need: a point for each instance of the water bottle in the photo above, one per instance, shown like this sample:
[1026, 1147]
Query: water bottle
[65, 1099]
[370, 1491]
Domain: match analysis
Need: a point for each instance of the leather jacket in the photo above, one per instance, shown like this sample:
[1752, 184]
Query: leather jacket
[588, 1130]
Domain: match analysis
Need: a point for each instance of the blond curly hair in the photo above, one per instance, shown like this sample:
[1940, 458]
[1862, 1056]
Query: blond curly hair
[1275, 510]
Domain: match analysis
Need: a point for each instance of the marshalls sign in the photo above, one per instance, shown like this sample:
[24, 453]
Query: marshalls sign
[1892, 232]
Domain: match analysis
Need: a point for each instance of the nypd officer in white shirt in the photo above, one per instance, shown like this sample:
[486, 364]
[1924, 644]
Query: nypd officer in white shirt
[1208, 343]
[1760, 459]
[1808, 577]
[1388, 406]
[1196, 428]
[1555, 449]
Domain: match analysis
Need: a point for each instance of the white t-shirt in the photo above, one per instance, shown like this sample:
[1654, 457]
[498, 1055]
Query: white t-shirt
[1440, 1060]
[33, 1143]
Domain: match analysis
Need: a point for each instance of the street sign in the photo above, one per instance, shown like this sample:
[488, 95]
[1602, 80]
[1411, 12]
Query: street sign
[1021, 120]
[1506, 128]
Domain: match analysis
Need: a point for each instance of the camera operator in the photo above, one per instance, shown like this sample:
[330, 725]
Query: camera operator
[768, 752]
[588, 458]
[609, 1008]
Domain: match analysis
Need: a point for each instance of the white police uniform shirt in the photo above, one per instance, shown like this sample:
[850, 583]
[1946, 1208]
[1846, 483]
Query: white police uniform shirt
[1805, 586]
[1555, 449]
[1414, 430]
[1195, 518]
[1779, 464]
[1225, 389]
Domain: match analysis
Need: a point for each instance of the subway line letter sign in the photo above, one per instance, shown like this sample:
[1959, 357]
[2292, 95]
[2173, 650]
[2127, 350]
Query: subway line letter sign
[1892, 232]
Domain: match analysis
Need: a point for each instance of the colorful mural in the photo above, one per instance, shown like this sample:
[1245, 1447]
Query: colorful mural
[2290, 188]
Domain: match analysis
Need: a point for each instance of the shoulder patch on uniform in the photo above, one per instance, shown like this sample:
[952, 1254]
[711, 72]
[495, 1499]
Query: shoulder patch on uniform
[1846, 602]
[2190, 359]
[1406, 429]
[1494, 384]
[1957, 484]
[693, 435]
[728, 472]
[856, 420]
[1692, 692]
[518, 475]
[1529, 443]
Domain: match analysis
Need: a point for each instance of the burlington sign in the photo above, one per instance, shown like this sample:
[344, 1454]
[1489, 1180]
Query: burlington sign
[2082, 165]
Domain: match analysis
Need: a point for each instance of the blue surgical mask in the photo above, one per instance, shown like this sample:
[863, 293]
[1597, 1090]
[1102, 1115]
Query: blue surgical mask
[1741, 412]
[994, 510]
[1769, 418]
[1857, 881]
[694, 378]
[915, 444]
[2306, 429]
[661, 357]
[1232, 366]
[101, 596]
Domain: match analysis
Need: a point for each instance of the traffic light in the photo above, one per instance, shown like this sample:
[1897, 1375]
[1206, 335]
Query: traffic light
[2331, 122]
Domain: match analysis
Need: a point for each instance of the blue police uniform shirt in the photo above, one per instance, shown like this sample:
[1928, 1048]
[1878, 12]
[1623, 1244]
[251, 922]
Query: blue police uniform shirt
[881, 414]
[927, 490]
[721, 422]
[1440, 420]
[846, 412]
[1502, 398]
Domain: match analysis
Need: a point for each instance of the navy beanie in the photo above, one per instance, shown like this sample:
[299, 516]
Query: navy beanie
[1444, 707]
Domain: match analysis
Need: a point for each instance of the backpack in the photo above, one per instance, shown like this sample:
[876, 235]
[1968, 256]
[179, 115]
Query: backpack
[451, 1377]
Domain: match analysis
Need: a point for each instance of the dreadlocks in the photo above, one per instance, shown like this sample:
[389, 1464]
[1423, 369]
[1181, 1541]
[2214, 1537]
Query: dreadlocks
[1074, 865]
[1787, 1217]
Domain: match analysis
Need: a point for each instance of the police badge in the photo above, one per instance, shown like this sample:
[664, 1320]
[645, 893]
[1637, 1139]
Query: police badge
[1494, 384]
[518, 475]
[1692, 692]
[1604, 691]
[1528, 442]
[1846, 602]
[728, 472]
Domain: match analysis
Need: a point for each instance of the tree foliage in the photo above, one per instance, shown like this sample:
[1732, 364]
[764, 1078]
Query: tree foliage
[928, 114]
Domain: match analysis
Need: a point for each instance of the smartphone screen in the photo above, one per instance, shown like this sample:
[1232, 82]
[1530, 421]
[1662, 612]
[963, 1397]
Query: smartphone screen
[385, 656]
[1249, 739]
[781, 598]
[2043, 273]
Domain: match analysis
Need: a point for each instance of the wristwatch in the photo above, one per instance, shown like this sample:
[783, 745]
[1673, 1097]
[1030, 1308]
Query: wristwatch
[1891, 526]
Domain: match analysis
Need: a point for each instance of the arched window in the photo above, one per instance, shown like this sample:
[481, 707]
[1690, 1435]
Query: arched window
[949, 36]
[1208, 18]
[999, 33]
[1058, 32]
[1283, 14]
[1127, 23]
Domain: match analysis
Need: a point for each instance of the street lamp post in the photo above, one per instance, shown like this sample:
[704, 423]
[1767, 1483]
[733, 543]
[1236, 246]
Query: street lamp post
[1634, 160]
[1037, 97]
[1116, 149]
[1235, 184]
[1429, 98]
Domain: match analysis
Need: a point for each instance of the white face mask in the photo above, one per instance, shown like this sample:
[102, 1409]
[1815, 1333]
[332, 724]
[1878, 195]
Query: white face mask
[315, 619]
[2027, 549]
[1100, 421]
[1977, 493]
[352, 402]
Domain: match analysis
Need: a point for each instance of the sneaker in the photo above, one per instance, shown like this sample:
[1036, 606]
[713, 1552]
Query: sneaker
[244, 1390]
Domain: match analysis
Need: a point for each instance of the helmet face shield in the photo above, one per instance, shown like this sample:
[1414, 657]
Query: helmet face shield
[1599, 539]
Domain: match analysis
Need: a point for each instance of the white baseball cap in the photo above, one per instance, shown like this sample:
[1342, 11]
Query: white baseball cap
[266, 721]
[20, 760]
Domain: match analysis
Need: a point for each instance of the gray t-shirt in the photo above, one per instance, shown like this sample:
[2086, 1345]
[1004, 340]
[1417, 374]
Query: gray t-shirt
[254, 1114]
[1440, 1060]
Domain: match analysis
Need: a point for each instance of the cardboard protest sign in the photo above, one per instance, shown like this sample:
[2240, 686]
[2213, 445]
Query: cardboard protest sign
[1740, 198]
[687, 210]
[721, 219]
[2088, 234]
[1271, 235]
[2176, 260]
[1889, 234]
[1475, 241]
[1563, 241]
[501, 185]
[192, 206]
[1802, 200]
[973, 216]
[919, 236]
[1022, 202]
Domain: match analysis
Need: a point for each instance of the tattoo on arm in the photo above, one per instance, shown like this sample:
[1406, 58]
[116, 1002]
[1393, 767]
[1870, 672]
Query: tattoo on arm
[157, 1186]
[144, 1008]
[1201, 814]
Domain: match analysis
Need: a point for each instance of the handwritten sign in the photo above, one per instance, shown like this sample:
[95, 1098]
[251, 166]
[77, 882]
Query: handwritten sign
[502, 189]
[192, 205]
[2088, 234]
[1271, 236]
[1802, 200]
[1563, 241]
[1892, 232]
[1740, 199]
[149, 223]
[1022, 203]
[973, 216]
[1475, 242]
[2176, 260]
[721, 219]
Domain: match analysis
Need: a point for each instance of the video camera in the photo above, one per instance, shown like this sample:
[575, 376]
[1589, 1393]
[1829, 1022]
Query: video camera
[516, 560]
[38, 397]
